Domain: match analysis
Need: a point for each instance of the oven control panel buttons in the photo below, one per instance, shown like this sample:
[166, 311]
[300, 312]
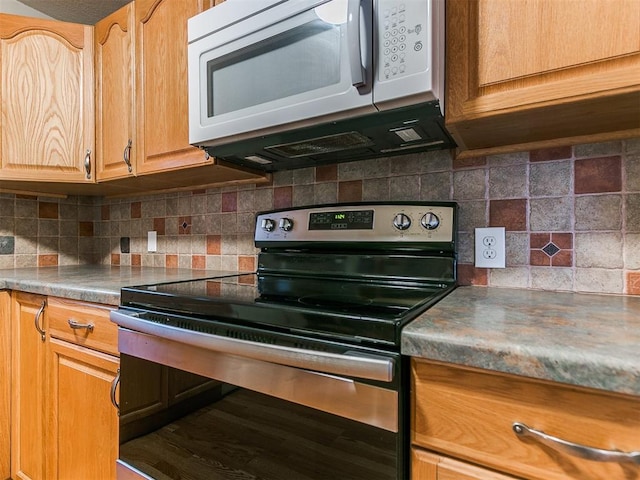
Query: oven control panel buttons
[286, 224]
[401, 221]
[430, 221]
[268, 225]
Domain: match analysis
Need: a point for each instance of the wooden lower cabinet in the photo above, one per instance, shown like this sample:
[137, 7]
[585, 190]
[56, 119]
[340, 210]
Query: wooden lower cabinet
[28, 383]
[82, 431]
[429, 466]
[5, 384]
[469, 414]
[63, 364]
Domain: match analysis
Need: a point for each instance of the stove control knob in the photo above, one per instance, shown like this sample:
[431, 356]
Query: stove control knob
[430, 221]
[286, 224]
[268, 225]
[401, 221]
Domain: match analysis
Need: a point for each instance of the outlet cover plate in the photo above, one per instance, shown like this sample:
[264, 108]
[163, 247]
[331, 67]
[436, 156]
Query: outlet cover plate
[490, 247]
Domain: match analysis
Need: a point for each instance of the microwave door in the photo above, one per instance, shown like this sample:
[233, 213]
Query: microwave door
[295, 67]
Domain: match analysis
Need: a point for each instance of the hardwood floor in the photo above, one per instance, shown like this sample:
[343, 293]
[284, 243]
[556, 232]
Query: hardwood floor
[250, 436]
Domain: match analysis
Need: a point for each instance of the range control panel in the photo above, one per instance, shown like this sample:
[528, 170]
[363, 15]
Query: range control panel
[401, 222]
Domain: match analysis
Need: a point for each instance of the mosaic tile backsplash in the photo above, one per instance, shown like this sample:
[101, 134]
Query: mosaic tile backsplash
[572, 216]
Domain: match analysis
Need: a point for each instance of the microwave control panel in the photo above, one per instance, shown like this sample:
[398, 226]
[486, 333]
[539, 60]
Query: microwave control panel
[403, 38]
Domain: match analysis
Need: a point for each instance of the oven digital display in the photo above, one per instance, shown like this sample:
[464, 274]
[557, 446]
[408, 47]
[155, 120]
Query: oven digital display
[347, 220]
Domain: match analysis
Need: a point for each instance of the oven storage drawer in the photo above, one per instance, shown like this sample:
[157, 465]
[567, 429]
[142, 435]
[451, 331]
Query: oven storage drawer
[470, 414]
[85, 324]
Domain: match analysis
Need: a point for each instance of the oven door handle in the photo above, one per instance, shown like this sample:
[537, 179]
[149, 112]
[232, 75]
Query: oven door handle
[351, 364]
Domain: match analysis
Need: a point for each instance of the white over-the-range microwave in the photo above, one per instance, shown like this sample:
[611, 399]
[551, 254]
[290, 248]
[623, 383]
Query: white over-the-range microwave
[282, 84]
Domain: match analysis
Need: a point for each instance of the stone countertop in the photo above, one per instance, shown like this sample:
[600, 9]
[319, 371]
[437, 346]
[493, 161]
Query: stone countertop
[579, 339]
[94, 283]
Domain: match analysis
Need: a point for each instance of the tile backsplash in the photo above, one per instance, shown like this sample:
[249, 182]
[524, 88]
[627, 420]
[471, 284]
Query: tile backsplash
[572, 216]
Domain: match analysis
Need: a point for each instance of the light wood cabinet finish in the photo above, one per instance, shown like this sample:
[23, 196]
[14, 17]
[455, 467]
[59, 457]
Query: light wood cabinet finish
[115, 95]
[82, 431]
[428, 466]
[161, 85]
[103, 335]
[28, 384]
[468, 414]
[5, 384]
[536, 73]
[47, 114]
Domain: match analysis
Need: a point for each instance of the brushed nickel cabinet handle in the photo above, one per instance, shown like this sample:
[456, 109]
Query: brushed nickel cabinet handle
[112, 394]
[575, 449]
[79, 326]
[126, 156]
[87, 164]
[43, 334]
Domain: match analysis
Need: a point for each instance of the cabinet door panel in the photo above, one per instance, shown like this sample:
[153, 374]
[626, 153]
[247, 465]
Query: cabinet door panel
[5, 384]
[539, 73]
[28, 396]
[83, 424]
[162, 95]
[47, 121]
[115, 104]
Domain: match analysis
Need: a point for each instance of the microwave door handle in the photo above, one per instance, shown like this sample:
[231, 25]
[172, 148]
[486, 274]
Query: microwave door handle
[358, 75]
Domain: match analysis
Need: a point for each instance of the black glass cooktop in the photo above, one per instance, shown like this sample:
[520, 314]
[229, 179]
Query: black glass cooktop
[334, 308]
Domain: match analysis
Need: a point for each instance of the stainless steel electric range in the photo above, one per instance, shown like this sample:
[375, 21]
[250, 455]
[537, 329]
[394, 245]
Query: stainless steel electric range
[292, 371]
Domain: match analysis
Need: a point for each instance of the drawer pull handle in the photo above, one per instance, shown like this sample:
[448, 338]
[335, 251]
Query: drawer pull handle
[577, 450]
[79, 326]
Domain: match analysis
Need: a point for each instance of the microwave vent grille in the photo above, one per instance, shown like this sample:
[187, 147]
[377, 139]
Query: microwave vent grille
[321, 145]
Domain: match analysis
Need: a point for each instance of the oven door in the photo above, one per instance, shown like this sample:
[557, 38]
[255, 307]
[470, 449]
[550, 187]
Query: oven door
[213, 411]
[255, 65]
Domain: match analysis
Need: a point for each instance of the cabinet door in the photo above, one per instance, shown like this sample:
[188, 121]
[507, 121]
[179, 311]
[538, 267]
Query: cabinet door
[28, 383]
[526, 72]
[428, 466]
[47, 119]
[82, 423]
[5, 384]
[115, 98]
[161, 79]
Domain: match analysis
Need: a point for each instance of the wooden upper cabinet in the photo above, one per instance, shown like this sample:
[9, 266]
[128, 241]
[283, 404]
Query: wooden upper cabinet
[115, 95]
[47, 114]
[541, 72]
[162, 86]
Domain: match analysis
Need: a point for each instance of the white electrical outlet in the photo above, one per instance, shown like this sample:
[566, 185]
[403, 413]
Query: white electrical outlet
[490, 247]
[152, 241]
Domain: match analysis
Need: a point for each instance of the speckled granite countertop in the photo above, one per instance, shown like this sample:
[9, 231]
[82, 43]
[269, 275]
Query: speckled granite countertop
[580, 339]
[586, 340]
[93, 283]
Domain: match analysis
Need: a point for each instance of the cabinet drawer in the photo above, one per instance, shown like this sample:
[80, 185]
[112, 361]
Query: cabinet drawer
[68, 318]
[469, 414]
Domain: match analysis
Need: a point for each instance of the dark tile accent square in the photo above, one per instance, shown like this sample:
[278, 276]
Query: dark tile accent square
[230, 201]
[283, 197]
[511, 214]
[85, 229]
[48, 210]
[471, 275]
[350, 191]
[136, 209]
[598, 175]
[538, 240]
[159, 225]
[550, 249]
[327, 173]
[539, 259]
[546, 154]
[7, 245]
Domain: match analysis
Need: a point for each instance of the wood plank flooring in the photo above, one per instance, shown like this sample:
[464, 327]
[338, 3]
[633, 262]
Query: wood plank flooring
[249, 436]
